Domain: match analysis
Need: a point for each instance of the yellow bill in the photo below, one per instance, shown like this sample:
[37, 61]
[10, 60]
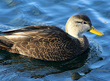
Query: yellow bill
[93, 30]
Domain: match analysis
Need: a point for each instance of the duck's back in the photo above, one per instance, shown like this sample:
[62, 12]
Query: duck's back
[43, 42]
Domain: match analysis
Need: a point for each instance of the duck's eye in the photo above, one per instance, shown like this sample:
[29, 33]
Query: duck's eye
[85, 22]
[78, 22]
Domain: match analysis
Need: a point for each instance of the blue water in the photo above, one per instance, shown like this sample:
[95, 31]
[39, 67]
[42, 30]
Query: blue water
[93, 66]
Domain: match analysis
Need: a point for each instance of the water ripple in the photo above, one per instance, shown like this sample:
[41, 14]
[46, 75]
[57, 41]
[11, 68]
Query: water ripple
[19, 13]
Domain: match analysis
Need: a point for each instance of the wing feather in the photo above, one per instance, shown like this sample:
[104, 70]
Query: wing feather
[34, 32]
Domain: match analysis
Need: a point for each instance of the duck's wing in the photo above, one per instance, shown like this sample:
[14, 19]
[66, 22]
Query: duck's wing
[34, 32]
[31, 28]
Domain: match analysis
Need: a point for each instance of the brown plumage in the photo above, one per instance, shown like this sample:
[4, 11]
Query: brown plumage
[44, 42]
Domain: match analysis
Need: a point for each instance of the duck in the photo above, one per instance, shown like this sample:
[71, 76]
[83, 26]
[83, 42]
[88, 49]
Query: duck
[48, 42]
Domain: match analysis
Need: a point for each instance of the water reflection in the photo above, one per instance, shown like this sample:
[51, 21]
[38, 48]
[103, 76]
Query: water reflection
[29, 67]
[37, 68]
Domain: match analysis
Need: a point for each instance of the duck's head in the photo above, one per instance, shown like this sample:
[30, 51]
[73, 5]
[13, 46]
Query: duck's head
[78, 24]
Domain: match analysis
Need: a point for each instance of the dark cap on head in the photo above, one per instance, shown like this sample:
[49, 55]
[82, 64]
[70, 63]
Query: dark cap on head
[84, 17]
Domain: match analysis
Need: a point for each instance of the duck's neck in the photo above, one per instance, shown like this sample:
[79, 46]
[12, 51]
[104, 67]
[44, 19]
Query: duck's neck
[73, 32]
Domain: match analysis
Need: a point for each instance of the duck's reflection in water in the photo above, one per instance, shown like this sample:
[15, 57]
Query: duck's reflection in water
[28, 67]
[38, 68]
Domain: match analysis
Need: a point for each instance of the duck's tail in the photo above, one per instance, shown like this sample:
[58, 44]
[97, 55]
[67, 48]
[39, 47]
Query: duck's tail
[5, 44]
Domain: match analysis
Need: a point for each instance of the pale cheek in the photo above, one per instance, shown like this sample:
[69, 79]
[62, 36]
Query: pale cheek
[85, 28]
[79, 27]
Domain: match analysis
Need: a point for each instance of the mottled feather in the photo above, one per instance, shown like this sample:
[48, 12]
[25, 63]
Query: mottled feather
[43, 42]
